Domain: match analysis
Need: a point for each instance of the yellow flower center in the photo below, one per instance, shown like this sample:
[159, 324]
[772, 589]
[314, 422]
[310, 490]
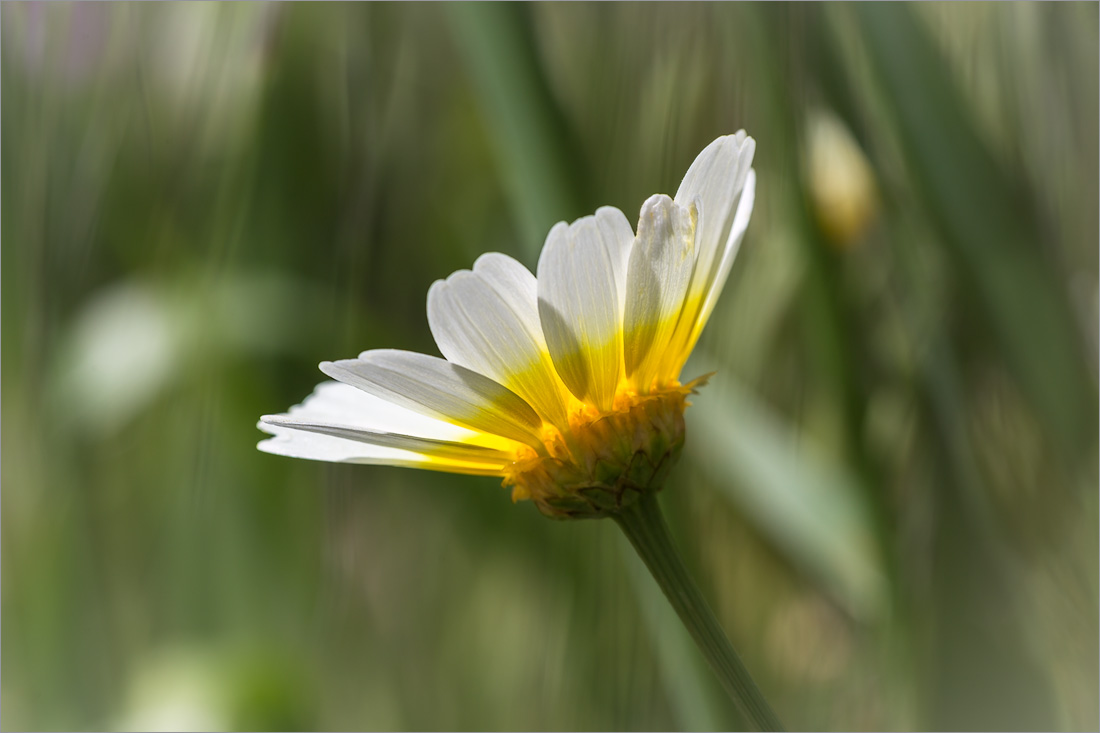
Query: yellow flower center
[606, 460]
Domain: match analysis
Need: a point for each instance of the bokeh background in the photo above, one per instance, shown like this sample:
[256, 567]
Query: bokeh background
[889, 490]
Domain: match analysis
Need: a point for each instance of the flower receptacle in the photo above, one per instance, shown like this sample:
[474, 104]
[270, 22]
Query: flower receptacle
[606, 465]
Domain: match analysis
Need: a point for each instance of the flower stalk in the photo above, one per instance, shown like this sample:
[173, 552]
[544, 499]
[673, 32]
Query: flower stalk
[644, 525]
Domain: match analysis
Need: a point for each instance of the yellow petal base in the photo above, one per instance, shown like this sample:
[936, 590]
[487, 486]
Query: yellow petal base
[607, 461]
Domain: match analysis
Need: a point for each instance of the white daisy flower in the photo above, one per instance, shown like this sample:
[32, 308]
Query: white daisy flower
[566, 385]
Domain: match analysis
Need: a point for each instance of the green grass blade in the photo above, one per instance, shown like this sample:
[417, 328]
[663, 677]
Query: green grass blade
[527, 128]
[989, 226]
[811, 510]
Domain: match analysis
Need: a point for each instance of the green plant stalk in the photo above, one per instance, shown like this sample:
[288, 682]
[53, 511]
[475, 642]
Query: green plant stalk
[644, 526]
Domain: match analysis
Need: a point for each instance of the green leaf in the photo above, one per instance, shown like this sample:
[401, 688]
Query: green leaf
[810, 509]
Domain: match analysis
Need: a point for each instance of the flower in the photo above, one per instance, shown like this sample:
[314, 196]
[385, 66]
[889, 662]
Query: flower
[566, 385]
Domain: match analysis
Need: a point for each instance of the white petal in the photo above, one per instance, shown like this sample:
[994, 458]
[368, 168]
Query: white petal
[661, 264]
[298, 444]
[437, 388]
[715, 185]
[444, 449]
[301, 444]
[373, 425]
[336, 403]
[714, 182]
[733, 245]
[487, 320]
[616, 230]
[580, 281]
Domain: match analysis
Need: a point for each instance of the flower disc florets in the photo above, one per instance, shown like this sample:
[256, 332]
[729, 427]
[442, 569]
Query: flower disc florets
[605, 462]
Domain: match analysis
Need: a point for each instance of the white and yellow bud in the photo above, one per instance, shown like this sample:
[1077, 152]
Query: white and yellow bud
[840, 181]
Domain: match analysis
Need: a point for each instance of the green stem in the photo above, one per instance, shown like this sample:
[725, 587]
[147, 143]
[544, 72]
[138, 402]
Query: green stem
[644, 526]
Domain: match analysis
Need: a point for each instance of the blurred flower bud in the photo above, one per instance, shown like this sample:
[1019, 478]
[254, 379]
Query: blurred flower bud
[840, 181]
[181, 688]
[126, 344]
[175, 690]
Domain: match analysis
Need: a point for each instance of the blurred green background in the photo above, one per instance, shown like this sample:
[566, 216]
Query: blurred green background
[889, 490]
